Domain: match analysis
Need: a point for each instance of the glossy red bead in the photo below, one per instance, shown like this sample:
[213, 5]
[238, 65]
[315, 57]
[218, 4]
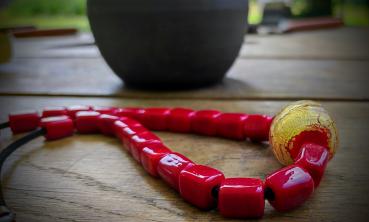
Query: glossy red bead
[130, 122]
[128, 132]
[21, 122]
[291, 186]
[179, 120]
[131, 112]
[196, 183]
[57, 127]
[124, 122]
[155, 118]
[72, 110]
[118, 127]
[54, 111]
[87, 121]
[151, 155]
[104, 109]
[314, 159]
[170, 166]
[256, 127]
[241, 198]
[204, 122]
[231, 125]
[105, 123]
[138, 141]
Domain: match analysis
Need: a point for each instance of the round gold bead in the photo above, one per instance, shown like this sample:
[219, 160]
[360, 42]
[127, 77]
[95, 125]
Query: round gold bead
[301, 122]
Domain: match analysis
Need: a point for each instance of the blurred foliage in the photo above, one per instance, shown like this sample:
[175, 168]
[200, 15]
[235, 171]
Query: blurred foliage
[47, 7]
[46, 14]
[353, 12]
[71, 13]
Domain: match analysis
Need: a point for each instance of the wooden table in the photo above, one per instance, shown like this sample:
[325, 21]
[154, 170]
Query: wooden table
[90, 178]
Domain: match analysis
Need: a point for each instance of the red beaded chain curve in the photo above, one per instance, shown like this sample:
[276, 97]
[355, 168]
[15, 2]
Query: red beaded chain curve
[200, 185]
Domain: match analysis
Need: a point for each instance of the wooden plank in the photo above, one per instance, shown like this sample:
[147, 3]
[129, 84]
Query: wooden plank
[342, 44]
[338, 44]
[90, 178]
[247, 79]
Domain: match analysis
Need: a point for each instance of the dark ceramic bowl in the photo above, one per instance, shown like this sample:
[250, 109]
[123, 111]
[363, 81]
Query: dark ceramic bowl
[169, 43]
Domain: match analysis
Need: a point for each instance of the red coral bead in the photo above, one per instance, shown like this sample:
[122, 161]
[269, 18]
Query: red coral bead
[21, 122]
[105, 123]
[125, 132]
[170, 166]
[204, 122]
[179, 120]
[57, 127]
[257, 127]
[131, 112]
[139, 140]
[241, 198]
[54, 111]
[124, 122]
[231, 125]
[118, 127]
[87, 121]
[314, 159]
[291, 186]
[130, 122]
[155, 118]
[196, 183]
[72, 110]
[151, 155]
[103, 109]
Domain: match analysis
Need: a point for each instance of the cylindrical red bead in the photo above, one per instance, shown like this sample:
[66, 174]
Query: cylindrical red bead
[170, 166]
[155, 118]
[105, 123]
[151, 155]
[54, 111]
[129, 121]
[291, 186]
[241, 198]
[86, 121]
[131, 112]
[231, 125]
[314, 159]
[204, 122]
[179, 120]
[256, 127]
[118, 127]
[21, 122]
[125, 133]
[196, 183]
[139, 140]
[57, 127]
[72, 110]
[124, 122]
[103, 109]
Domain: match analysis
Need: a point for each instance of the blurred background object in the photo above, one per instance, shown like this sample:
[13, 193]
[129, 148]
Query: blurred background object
[71, 13]
[5, 47]
[169, 44]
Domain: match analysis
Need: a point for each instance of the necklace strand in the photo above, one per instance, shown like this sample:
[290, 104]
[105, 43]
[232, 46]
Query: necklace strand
[306, 152]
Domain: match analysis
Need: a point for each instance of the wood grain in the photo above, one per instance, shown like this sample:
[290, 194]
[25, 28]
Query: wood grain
[326, 65]
[339, 44]
[248, 79]
[90, 178]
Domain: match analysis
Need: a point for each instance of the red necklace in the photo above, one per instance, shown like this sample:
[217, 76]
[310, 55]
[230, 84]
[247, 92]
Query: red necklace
[302, 135]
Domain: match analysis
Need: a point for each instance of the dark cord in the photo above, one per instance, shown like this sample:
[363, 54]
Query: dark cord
[4, 125]
[5, 214]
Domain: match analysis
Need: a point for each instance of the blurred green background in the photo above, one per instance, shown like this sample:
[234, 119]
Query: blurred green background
[71, 13]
